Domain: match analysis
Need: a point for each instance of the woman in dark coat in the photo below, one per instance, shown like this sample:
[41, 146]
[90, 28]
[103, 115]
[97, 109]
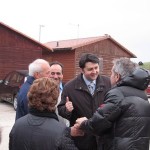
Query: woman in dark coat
[40, 129]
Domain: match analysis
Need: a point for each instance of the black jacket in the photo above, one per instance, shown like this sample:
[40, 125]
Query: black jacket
[84, 104]
[40, 131]
[123, 121]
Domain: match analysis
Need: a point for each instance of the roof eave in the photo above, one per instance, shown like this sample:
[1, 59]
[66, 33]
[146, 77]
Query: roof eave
[61, 49]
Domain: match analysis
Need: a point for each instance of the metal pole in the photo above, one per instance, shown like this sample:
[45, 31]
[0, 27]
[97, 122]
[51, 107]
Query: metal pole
[78, 31]
[40, 32]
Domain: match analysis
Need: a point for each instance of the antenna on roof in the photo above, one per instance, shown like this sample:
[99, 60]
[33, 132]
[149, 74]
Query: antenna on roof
[57, 44]
[40, 32]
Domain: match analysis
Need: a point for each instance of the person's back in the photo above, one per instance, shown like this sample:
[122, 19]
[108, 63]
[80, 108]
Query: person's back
[39, 133]
[132, 129]
[40, 129]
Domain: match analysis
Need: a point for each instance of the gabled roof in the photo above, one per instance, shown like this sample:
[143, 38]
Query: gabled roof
[25, 36]
[75, 43]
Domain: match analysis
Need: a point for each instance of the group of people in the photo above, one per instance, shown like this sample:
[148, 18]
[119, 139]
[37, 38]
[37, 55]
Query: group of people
[38, 69]
[90, 112]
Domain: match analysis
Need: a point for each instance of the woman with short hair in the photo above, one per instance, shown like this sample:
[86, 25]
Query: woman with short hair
[40, 129]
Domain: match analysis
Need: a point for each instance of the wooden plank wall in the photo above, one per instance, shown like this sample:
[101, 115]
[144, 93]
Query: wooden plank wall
[106, 50]
[16, 52]
[67, 59]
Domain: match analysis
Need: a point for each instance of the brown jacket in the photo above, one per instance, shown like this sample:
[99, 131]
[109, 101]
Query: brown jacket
[83, 102]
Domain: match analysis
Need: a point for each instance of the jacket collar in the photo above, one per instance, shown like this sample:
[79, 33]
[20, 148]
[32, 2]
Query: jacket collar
[87, 81]
[81, 85]
[30, 79]
[44, 113]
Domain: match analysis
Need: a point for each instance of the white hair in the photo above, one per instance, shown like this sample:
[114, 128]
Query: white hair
[36, 66]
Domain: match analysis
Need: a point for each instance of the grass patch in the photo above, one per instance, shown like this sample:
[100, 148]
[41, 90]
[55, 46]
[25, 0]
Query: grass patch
[145, 65]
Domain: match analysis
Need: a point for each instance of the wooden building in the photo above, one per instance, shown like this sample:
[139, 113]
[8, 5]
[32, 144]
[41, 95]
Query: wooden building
[18, 50]
[68, 52]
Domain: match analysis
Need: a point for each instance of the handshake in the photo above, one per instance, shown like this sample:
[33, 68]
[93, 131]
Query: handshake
[75, 130]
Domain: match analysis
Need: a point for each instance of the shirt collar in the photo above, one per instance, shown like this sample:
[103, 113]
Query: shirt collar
[60, 86]
[87, 81]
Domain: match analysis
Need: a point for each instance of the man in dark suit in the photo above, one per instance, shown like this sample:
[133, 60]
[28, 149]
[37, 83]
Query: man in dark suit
[79, 100]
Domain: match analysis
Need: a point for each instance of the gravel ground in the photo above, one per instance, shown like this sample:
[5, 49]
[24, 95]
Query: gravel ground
[7, 119]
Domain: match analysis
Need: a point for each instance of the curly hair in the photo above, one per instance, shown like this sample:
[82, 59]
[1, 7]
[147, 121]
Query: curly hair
[43, 94]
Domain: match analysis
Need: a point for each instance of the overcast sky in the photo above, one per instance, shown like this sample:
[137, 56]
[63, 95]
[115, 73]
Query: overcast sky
[127, 21]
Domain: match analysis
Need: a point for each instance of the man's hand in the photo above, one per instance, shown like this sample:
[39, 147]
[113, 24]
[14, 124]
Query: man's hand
[76, 131]
[79, 121]
[69, 105]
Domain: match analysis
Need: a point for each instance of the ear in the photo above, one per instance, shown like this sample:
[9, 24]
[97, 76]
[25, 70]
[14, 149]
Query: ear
[117, 77]
[36, 75]
[81, 70]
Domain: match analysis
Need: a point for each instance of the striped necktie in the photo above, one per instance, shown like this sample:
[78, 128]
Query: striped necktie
[91, 88]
